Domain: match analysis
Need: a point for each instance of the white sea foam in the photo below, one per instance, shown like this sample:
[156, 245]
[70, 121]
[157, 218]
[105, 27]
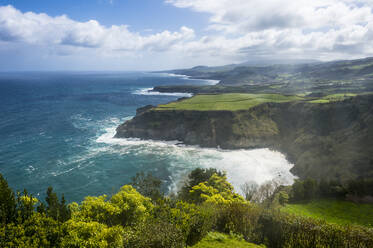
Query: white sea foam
[175, 75]
[150, 92]
[211, 81]
[207, 81]
[259, 165]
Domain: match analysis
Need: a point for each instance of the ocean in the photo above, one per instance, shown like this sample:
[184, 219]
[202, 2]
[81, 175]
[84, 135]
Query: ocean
[57, 128]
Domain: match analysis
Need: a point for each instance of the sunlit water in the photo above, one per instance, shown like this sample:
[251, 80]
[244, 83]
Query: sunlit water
[57, 129]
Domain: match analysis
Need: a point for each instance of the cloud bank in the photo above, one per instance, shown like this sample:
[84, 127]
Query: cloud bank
[238, 30]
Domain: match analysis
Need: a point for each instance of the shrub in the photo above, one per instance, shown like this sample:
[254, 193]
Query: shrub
[241, 218]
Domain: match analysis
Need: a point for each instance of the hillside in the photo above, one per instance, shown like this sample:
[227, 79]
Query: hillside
[334, 211]
[328, 137]
[323, 77]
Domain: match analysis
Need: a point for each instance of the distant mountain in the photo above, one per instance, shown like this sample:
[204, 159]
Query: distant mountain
[266, 62]
[296, 77]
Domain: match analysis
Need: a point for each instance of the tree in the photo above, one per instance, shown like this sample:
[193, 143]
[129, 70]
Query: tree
[283, 197]
[91, 235]
[298, 190]
[52, 204]
[249, 189]
[196, 177]
[56, 209]
[324, 188]
[265, 191]
[25, 206]
[65, 213]
[147, 185]
[127, 207]
[7, 202]
[215, 190]
[36, 231]
[310, 188]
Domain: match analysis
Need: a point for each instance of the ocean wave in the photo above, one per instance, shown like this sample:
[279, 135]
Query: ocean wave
[207, 81]
[150, 92]
[258, 165]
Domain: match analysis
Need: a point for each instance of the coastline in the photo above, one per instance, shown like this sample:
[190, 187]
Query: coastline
[305, 132]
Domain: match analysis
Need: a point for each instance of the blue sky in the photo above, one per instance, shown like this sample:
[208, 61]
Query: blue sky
[164, 34]
[140, 15]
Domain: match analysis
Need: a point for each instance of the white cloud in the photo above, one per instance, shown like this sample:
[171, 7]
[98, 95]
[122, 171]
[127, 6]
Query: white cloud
[324, 29]
[240, 16]
[238, 30]
[61, 31]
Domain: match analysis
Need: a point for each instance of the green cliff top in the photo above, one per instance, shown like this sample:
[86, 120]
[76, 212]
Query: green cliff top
[231, 102]
[242, 101]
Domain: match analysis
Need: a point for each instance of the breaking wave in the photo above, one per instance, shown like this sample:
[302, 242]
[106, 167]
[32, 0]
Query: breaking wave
[150, 92]
[258, 165]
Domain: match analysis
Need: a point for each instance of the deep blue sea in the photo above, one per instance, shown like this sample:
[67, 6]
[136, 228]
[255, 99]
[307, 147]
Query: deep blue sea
[57, 128]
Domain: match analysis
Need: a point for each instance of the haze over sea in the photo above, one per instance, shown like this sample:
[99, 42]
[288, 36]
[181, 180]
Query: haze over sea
[57, 128]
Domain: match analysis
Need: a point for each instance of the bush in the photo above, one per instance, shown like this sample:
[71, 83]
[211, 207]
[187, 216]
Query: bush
[241, 218]
[281, 230]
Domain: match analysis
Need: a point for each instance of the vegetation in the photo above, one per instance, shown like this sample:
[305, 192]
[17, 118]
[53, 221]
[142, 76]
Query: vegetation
[244, 101]
[334, 211]
[334, 98]
[231, 102]
[221, 240]
[208, 213]
[328, 78]
[327, 201]
[358, 190]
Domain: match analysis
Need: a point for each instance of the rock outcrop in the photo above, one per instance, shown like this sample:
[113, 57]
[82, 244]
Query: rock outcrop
[324, 140]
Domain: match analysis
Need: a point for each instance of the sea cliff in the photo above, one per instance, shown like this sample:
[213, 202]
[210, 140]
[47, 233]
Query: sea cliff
[324, 140]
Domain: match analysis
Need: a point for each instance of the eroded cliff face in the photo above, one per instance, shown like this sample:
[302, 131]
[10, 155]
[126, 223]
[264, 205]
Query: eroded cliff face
[332, 140]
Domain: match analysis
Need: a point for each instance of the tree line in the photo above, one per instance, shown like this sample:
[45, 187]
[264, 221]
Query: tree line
[141, 215]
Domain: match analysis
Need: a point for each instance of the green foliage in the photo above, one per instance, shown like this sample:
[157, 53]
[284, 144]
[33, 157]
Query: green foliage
[196, 177]
[36, 231]
[199, 221]
[129, 219]
[298, 190]
[220, 240]
[173, 224]
[216, 190]
[25, 206]
[305, 190]
[126, 207]
[157, 233]
[7, 203]
[239, 218]
[334, 211]
[91, 235]
[334, 98]
[147, 185]
[283, 197]
[310, 188]
[232, 102]
[282, 230]
[360, 187]
[55, 209]
[162, 229]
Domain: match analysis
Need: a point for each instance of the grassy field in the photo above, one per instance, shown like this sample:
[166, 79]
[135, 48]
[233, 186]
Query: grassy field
[334, 211]
[334, 98]
[219, 240]
[232, 102]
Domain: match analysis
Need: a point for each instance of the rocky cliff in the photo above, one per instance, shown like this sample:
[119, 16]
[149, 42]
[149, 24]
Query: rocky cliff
[324, 140]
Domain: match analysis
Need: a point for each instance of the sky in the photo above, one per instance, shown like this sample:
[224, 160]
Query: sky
[122, 35]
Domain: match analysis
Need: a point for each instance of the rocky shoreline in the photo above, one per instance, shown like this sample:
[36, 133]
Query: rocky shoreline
[329, 140]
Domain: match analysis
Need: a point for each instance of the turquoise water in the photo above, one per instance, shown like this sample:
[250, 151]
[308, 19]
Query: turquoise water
[56, 129]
